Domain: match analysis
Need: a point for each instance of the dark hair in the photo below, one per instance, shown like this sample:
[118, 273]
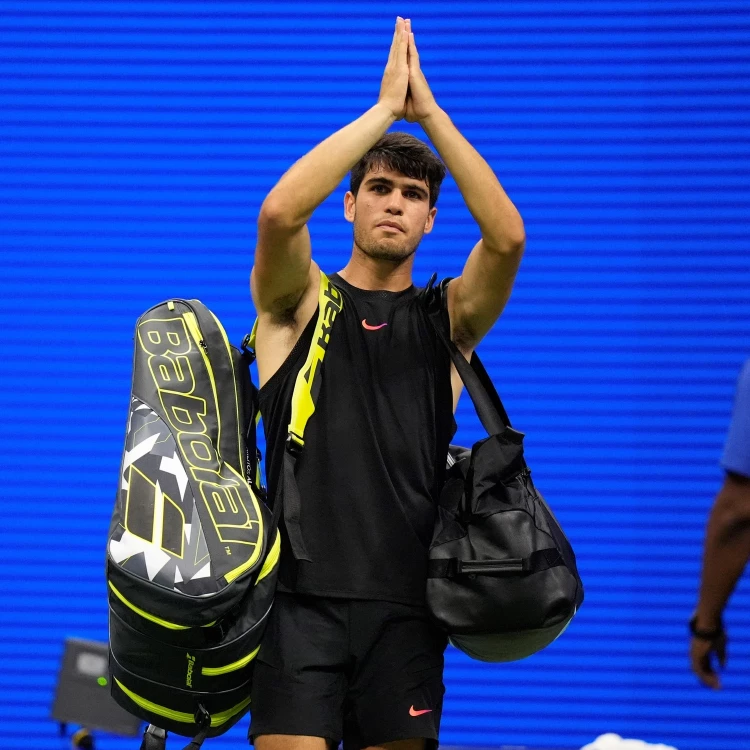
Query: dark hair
[403, 153]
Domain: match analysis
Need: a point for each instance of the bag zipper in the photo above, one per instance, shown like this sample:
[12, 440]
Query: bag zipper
[244, 661]
[153, 618]
[181, 716]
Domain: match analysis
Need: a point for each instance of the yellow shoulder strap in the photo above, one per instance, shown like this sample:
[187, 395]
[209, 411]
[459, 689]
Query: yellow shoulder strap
[251, 337]
[307, 385]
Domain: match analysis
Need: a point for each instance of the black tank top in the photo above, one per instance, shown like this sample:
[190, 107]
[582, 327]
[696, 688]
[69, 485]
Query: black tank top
[375, 449]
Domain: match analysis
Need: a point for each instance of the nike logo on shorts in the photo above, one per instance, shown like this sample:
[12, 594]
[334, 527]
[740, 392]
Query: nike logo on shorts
[413, 712]
[368, 327]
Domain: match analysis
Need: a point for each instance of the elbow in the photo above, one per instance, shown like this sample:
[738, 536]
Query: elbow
[278, 214]
[732, 512]
[517, 242]
[510, 243]
[517, 236]
[507, 237]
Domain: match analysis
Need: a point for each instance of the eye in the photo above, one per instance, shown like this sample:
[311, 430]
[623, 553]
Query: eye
[380, 188]
[413, 194]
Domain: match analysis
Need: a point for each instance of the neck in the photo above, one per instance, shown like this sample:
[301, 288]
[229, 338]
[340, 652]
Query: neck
[376, 274]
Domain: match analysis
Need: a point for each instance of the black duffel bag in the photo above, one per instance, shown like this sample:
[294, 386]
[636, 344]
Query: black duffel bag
[502, 577]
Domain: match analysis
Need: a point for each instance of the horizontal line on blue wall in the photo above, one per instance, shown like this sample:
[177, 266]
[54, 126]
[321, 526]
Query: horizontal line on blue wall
[616, 81]
[286, 48]
[556, 12]
[77, 74]
[378, 34]
[236, 206]
[520, 129]
[215, 23]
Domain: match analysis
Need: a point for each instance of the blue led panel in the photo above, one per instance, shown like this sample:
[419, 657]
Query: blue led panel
[137, 141]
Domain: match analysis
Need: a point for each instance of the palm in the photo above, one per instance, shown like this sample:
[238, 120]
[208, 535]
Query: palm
[410, 114]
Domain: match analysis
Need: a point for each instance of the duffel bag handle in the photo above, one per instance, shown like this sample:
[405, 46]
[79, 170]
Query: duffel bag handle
[452, 567]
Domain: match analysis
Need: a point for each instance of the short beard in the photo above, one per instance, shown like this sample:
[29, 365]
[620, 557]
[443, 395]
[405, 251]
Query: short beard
[382, 250]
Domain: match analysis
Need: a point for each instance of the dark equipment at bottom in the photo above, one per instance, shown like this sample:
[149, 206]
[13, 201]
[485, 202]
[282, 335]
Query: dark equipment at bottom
[82, 694]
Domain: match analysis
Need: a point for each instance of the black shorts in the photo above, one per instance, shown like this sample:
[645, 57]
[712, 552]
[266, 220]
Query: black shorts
[363, 671]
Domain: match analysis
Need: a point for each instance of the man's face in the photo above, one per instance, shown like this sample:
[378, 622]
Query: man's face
[390, 214]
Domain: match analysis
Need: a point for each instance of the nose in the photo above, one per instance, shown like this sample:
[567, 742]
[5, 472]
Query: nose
[395, 206]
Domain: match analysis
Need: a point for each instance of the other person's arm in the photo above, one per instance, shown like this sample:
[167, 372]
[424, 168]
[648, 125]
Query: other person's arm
[727, 544]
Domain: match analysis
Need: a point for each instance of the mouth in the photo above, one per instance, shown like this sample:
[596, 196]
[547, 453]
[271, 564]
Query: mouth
[390, 225]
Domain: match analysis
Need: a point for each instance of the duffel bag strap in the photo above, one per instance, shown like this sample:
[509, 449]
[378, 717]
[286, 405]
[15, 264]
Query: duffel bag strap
[483, 393]
[452, 567]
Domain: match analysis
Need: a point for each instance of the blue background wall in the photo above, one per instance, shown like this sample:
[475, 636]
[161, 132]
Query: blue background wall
[137, 141]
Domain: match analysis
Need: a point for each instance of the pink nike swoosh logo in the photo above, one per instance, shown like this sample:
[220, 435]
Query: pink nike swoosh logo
[413, 712]
[368, 327]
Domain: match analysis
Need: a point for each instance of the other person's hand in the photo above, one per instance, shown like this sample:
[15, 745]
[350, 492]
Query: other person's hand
[703, 652]
[420, 102]
[395, 81]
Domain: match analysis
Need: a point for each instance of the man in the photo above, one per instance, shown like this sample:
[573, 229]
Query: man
[727, 546]
[349, 650]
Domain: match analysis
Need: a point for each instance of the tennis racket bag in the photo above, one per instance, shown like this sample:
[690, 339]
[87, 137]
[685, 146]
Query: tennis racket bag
[193, 551]
[502, 577]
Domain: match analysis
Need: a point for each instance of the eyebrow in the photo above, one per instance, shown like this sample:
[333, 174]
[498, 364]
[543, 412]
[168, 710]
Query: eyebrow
[416, 187]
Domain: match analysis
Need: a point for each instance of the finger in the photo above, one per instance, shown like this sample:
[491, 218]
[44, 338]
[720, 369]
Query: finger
[707, 676]
[413, 53]
[706, 673]
[403, 47]
[394, 43]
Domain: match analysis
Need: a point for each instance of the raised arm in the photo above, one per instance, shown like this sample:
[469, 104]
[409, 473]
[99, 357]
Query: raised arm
[283, 269]
[477, 297]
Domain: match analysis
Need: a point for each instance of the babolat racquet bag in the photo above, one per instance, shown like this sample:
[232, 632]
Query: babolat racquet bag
[193, 550]
[502, 577]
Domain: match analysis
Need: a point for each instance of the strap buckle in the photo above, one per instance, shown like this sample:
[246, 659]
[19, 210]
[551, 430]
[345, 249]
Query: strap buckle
[294, 444]
[202, 717]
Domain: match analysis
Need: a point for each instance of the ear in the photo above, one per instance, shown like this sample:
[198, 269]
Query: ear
[430, 222]
[349, 206]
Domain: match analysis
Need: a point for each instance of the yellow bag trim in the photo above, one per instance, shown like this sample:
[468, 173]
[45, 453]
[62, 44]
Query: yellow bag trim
[240, 569]
[244, 661]
[272, 559]
[240, 459]
[153, 618]
[253, 333]
[216, 719]
[330, 304]
[144, 614]
[195, 331]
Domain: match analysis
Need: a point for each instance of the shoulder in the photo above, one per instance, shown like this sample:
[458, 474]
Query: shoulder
[736, 457]
[743, 382]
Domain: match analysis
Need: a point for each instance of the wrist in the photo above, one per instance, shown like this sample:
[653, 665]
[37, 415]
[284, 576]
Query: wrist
[430, 117]
[707, 629]
[706, 618]
[383, 108]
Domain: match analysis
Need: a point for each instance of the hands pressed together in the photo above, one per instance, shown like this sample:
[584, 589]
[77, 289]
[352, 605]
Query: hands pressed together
[404, 89]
